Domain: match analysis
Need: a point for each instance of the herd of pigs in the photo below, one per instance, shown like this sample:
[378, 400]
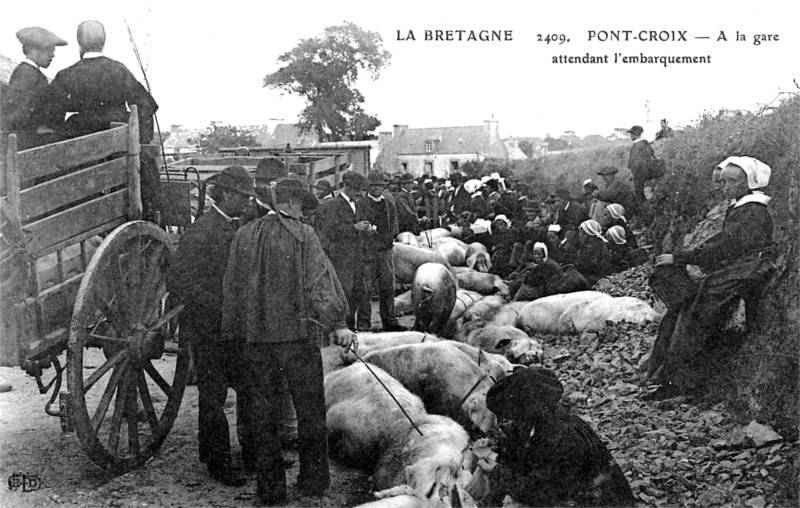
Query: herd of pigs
[409, 406]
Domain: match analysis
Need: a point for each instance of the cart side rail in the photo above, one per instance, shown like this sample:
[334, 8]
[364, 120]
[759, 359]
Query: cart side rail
[64, 195]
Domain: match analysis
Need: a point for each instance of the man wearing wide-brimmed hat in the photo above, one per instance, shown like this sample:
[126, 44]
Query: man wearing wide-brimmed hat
[569, 213]
[640, 155]
[98, 90]
[407, 218]
[22, 101]
[341, 231]
[616, 191]
[381, 214]
[195, 277]
[280, 292]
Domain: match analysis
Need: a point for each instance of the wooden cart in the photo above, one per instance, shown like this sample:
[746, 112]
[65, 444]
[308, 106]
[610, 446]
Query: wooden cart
[82, 274]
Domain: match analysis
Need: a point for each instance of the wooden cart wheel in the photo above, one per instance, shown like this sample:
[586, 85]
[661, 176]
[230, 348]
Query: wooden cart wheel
[125, 391]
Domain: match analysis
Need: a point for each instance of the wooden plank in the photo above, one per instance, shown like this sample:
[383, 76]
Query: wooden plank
[324, 164]
[48, 159]
[134, 184]
[70, 223]
[57, 303]
[11, 175]
[108, 226]
[45, 197]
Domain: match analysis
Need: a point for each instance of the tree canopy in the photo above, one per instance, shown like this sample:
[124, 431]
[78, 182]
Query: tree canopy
[223, 136]
[324, 70]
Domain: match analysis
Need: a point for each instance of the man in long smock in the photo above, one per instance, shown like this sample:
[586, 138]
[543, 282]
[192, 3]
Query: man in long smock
[280, 290]
[738, 260]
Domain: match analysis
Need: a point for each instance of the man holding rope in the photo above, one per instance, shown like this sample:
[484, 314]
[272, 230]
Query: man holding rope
[280, 289]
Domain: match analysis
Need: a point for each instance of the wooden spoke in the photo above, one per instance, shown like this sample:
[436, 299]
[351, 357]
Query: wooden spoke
[156, 376]
[147, 401]
[122, 290]
[165, 318]
[108, 394]
[119, 411]
[97, 374]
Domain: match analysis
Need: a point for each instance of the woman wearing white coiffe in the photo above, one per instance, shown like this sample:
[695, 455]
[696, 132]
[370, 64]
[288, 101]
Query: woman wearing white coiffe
[738, 260]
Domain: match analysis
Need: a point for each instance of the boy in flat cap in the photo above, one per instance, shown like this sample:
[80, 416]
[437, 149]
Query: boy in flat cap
[22, 101]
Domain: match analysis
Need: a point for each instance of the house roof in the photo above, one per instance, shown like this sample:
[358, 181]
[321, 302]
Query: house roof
[288, 133]
[470, 139]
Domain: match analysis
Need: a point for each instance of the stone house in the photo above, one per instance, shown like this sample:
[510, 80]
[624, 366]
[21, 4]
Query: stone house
[438, 151]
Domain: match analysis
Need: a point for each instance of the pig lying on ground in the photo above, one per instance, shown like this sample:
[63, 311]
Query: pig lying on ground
[508, 341]
[428, 236]
[408, 238]
[508, 314]
[483, 283]
[492, 364]
[408, 258]
[433, 292]
[362, 418]
[584, 310]
[452, 252]
[403, 304]
[485, 309]
[430, 464]
[446, 379]
[478, 257]
[371, 341]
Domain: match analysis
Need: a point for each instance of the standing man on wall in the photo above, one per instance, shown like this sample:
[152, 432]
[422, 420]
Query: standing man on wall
[640, 155]
[195, 277]
[381, 214]
[280, 291]
[22, 100]
[341, 234]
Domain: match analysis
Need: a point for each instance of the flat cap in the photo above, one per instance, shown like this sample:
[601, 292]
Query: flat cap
[39, 37]
[406, 178]
[636, 130]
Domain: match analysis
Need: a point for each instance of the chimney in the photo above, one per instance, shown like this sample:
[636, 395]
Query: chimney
[384, 138]
[399, 130]
[491, 131]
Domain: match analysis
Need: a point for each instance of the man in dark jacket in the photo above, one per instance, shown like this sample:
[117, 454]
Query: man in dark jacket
[381, 214]
[195, 277]
[22, 100]
[738, 260]
[640, 156]
[98, 90]
[407, 218]
[616, 191]
[461, 199]
[281, 292]
[341, 231]
[569, 213]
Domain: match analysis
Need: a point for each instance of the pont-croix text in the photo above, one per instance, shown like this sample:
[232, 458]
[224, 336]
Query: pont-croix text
[675, 40]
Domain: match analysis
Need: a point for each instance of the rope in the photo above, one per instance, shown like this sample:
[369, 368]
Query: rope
[389, 392]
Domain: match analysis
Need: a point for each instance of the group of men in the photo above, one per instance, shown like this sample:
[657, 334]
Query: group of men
[259, 295]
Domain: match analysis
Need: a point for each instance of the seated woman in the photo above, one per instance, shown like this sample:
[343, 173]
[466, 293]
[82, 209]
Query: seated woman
[592, 259]
[616, 217]
[538, 275]
[474, 229]
[738, 261]
[503, 238]
[618, 249]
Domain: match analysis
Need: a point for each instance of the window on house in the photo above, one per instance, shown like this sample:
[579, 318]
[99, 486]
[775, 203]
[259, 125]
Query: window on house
[429, 146]
[405, 166]
[429, 168]
[454, 165]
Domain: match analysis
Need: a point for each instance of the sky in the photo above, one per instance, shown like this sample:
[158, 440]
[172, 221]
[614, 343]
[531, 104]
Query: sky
[206, 62]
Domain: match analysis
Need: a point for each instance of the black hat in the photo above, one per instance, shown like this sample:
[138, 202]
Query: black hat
[235, 178]
[406, 178]
[563, 193]
[456, 177]
[354, 180]
[291, 187]
[269, 170]
[38, 37]
[607, 170]
[376, 178]
[636, 130]
[526, 395]
[323, 184]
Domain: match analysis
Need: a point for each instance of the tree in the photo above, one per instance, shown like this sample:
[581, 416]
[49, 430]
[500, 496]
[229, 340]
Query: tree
[527, 147]
[219, 136]
[324, 71]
